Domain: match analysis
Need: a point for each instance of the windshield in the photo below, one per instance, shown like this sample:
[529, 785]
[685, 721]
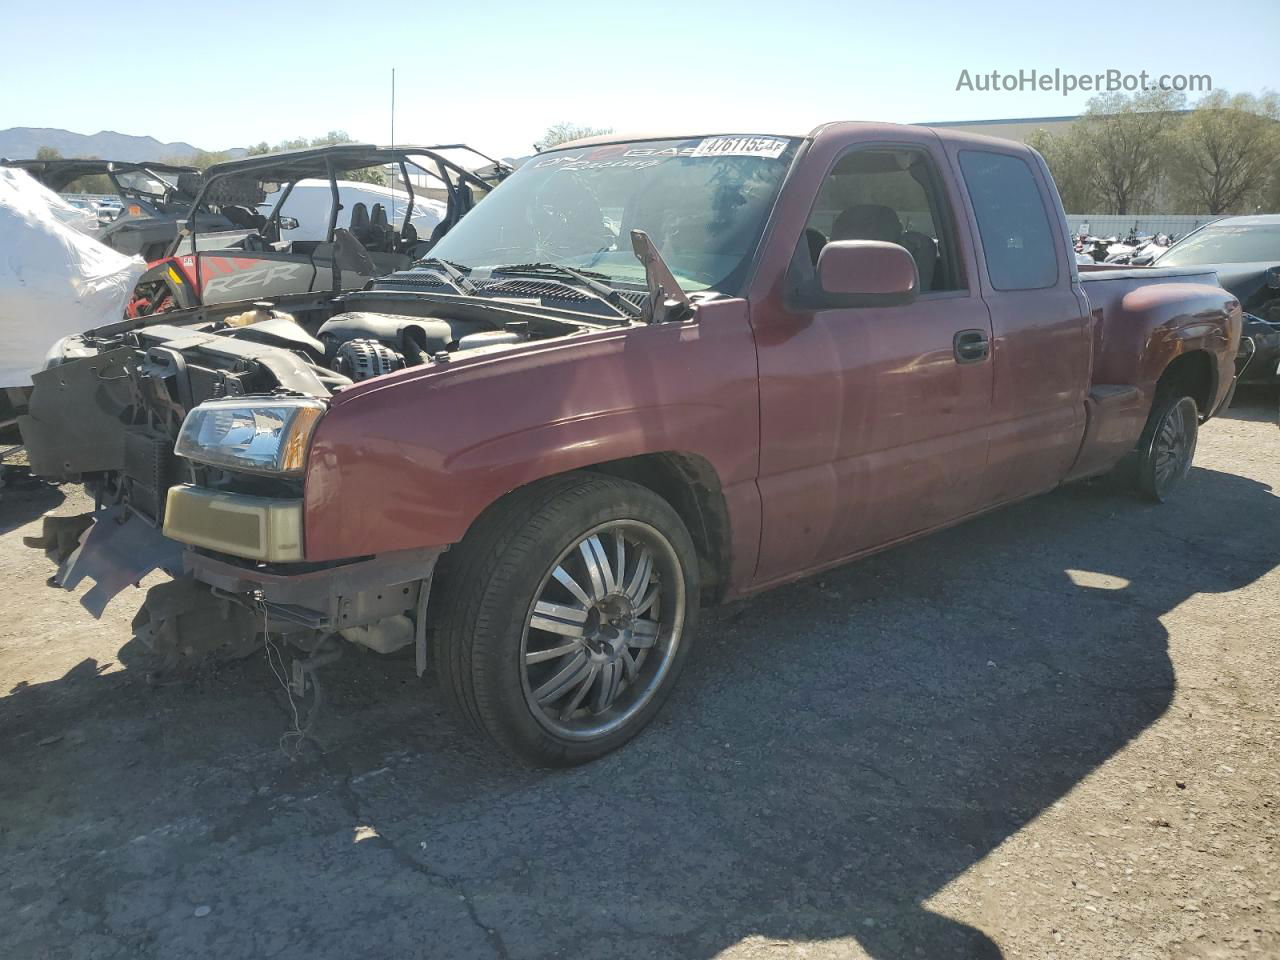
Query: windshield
[702, 201]
[1228, 243]
[144, 182]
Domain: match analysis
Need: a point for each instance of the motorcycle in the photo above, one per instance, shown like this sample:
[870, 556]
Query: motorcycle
[1145, 254]
[1122, 250]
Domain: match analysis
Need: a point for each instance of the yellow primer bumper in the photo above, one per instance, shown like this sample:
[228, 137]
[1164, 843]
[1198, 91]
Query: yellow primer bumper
[259, 528]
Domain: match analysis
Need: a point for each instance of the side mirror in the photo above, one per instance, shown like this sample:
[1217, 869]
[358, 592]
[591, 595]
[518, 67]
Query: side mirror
[288, 223]
[866, 273]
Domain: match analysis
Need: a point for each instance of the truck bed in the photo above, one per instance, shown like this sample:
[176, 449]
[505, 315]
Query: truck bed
[1127, 302]
[1142, 318]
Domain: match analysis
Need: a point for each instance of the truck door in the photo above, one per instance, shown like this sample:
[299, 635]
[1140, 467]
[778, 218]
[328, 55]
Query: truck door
[873, 419]
[1041, 350]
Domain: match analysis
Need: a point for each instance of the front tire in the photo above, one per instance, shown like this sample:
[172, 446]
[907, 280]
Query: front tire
[568, 613]
[1167, 445]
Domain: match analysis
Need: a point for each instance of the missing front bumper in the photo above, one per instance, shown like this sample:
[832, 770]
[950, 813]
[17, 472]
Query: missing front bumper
[379, 602]
[330, 598]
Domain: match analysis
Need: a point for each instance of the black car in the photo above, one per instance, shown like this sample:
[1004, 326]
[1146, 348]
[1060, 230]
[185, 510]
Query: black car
[1246, 253]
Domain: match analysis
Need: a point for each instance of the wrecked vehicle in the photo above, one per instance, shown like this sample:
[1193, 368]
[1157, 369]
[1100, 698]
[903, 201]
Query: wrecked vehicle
[56, 279]
[645, 375]
[1245, 254]
[263, 255]
[154, 198]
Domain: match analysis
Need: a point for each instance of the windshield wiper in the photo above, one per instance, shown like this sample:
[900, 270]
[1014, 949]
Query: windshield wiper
[456, 276]
[588, 278]
[546, 266]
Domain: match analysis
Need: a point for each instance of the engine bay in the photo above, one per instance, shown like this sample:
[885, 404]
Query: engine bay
[110, 405]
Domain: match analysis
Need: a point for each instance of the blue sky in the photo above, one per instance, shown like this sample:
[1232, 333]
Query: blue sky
[496, 74]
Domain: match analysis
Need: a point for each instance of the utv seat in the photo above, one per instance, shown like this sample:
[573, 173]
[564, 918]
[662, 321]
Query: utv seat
[408, 238]
[244, 218]
[384, 238]
[361, 226]
[350, 255]
[189, 184]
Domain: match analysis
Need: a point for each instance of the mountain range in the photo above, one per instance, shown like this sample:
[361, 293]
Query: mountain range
[21, 143]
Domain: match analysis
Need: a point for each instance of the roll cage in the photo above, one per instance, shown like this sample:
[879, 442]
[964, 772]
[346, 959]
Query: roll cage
[57, 175]
[288, 167]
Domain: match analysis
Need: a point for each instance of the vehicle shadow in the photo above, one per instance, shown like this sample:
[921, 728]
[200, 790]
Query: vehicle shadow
[838, 752]
[1257, 403]
[24, 500]
[843, 748]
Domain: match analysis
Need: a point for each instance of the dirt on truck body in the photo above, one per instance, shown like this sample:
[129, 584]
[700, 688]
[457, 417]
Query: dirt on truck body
[644, 375]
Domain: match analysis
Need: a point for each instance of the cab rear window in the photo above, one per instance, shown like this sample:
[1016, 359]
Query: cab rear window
[1017, 239]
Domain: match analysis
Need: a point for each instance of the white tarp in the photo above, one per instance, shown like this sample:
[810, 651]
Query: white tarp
[55, 280]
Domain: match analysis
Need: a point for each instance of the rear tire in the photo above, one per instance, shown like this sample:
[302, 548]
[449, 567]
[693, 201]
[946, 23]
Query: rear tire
[1167, 445]
[567, 614]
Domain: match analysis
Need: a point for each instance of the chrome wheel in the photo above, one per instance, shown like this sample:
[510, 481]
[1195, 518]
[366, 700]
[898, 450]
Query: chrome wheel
[1174, 445]
[603, 629]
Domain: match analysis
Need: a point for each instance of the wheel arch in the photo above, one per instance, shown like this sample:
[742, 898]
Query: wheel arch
[1193, 372]
[688, 482]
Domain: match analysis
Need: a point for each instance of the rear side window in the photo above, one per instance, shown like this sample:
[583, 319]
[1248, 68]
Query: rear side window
[1016, 236]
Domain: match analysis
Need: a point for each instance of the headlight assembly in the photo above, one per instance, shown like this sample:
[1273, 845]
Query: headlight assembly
[265, 435]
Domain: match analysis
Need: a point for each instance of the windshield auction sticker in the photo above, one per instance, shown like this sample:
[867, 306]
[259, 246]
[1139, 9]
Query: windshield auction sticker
[769, 148]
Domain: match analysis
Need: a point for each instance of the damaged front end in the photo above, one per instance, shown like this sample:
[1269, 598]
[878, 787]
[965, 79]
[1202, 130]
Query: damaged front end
[110, 415]
[191, 430]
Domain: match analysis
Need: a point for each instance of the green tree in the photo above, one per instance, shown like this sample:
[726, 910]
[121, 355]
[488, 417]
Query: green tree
[1128, 137]
[564, 132]
[203, 159]
[1073, 165]
[374, 175]
[1223, 155]
[1270, 201]
[93, 183]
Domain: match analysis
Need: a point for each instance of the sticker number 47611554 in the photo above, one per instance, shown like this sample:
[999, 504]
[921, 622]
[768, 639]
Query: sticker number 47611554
[768, 147]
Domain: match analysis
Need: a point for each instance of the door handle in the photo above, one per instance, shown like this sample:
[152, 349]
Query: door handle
[971, 346]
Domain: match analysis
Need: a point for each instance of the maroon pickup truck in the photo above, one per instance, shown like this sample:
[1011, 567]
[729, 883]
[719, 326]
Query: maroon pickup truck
[642, 376]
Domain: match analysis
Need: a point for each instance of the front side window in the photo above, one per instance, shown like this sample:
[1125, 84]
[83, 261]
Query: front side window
[703, 201]
[1017, 239]
[889, 194]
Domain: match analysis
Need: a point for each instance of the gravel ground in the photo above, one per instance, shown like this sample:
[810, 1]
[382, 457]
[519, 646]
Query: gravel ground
[1050, 732]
